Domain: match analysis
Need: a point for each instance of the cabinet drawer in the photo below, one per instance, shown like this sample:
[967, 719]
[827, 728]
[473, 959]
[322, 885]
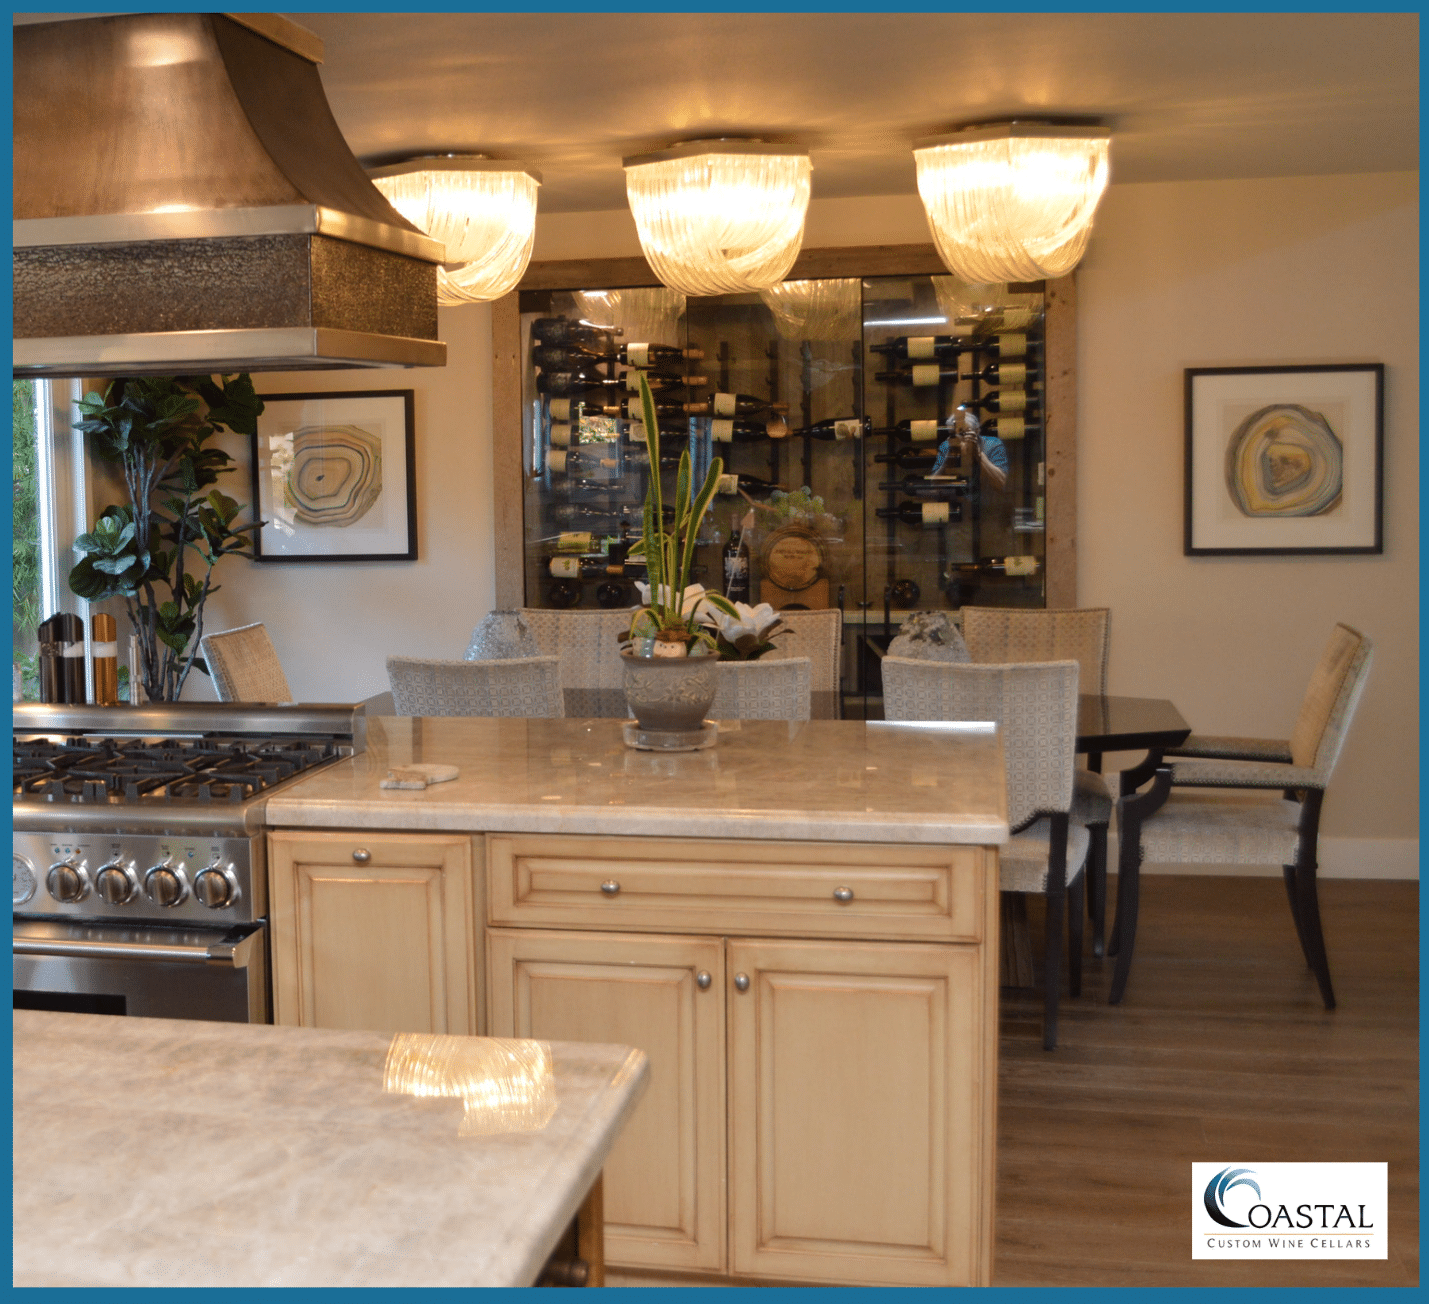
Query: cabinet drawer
[754, 888]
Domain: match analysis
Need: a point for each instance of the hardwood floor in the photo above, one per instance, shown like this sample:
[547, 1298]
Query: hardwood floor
[1221, 1051]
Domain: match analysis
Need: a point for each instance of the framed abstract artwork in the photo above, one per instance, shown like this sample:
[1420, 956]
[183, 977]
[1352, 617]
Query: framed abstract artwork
[1284, 460]
[334, 477]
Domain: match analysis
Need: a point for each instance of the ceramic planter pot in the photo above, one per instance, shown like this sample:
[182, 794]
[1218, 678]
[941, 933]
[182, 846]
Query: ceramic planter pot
[670, 694]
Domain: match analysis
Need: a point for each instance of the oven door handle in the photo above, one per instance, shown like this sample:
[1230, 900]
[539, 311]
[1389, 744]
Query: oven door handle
[227, 952]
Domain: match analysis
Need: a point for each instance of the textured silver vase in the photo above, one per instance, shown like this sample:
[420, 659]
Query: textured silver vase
[670, 694]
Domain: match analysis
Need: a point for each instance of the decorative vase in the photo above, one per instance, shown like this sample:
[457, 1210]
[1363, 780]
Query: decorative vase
[670, 695]
[500, 636]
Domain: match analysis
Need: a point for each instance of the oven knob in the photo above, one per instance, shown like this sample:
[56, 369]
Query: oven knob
[164, 885]
[116, 883]
[215, 887]
[67, 881]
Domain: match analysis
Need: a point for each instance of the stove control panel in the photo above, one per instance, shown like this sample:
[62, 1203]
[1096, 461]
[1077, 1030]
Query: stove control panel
[179, 879]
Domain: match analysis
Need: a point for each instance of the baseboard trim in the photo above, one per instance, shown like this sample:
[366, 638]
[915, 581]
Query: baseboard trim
[1392, 858]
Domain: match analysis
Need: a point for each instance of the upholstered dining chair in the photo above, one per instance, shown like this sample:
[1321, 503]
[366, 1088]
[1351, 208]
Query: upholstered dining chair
[998, 635]
[244, 665]
[587, 644]
[1035, 706]
[1166, 826]
[763, 690]
[525, 686]
[817, 635]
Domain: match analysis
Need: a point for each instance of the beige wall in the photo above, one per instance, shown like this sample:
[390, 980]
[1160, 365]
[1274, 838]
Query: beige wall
[334, 624]
[1320, 269]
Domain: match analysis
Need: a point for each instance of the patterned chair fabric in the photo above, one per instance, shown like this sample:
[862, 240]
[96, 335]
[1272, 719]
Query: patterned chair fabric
[587, 643]
[1257, 830]
[817, 635]
[526, 686]
[1035, 707]
[244, 665]
[999, 635]
[763, 690]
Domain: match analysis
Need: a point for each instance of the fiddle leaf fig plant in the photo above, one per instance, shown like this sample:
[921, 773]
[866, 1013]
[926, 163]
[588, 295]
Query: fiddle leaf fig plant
[158, 550]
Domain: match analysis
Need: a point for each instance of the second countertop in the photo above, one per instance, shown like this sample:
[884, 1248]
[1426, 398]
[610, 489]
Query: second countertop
[821, 780]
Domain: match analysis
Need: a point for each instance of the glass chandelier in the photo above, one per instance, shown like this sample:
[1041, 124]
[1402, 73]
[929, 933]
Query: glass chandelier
[815, 310]
[1013, 201]
[720, 216]
[484, 211]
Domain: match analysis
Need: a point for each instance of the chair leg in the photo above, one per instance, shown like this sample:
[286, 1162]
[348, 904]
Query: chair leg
[1290, 892]
[1132, 810]
[1052, 944]
[1096, 886]
[1075, 892]
[1307, 917]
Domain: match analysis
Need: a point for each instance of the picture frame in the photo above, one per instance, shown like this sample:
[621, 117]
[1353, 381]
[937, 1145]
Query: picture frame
[1285, 460]
[334, 477]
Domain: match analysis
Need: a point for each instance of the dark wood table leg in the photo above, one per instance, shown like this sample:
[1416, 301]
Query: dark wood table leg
[1132, 810]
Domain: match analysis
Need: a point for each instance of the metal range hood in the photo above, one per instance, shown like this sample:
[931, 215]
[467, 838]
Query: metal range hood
[185, 204]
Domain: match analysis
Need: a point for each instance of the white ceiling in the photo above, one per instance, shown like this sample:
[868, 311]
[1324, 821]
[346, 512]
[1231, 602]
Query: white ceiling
[1188, 96]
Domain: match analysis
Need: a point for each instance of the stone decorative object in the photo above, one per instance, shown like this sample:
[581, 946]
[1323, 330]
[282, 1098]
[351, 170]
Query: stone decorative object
[501, 636]
[929, 636]
[670, 695]
[417, 777]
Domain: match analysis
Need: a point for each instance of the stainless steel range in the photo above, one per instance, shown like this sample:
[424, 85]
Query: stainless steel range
[140, 879]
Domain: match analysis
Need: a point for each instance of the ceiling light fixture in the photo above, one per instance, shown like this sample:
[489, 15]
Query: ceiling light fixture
[720, 216]
[483, 210]
[1012, 201]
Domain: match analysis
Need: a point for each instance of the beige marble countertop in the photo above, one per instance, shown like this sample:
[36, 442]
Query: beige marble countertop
[824, 780]
[167, 1152]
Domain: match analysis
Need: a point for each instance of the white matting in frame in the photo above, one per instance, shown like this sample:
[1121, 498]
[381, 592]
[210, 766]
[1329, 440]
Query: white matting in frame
[334, 477]
[1284, 459]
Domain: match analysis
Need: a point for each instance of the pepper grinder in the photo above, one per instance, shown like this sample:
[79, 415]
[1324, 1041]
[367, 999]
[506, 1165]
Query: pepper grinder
[104, 636]
[47, 633]
[72, 658]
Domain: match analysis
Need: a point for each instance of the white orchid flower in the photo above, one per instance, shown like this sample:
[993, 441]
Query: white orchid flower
[692, 600]
[748, 627]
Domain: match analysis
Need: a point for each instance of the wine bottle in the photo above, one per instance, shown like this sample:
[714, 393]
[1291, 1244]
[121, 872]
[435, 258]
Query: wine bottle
[736, 564]
[580, 384]
[1005, 373]
[640, 456]
[925, 487]
[1010, 344]
[837, 428]
[659, 381]
[911, 459]
[571, 567]
[731, 483]
[629, 408]
[604, 520]
[613, 594]
[920, 373]
[726, 430]
[574, 357]
[1008, 427]
[565, 462]
[922, 348]
[926, 431]
[1025, 565]
[562, 330]
[926, 514]
[1003, 400]
[734, 405]
[564, 593]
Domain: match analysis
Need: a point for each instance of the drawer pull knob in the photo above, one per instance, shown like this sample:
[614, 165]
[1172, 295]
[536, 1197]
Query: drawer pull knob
[610, 887]
[843, 894]
[362, 855]
[741, 982]
[703, 980]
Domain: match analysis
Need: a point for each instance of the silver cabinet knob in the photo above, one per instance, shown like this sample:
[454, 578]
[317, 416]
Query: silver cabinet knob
[610, 887]
[67, 881]
[116, 884]
[215, 888]
[843, 894]
[165, 885]
[362, 855]
[703, 980]
[741, 982]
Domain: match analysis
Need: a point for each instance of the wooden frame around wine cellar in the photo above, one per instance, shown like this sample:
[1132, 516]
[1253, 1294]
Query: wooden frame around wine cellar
[813, 264]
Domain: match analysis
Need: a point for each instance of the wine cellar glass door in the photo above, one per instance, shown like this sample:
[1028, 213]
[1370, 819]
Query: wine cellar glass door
[882, 442]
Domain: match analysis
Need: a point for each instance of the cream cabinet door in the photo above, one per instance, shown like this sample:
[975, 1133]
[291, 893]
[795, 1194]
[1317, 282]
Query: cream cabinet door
[374, 931]
[862, 1110]
[665, 1177]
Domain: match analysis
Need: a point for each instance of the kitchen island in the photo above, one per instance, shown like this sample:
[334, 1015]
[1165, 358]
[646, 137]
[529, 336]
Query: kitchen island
[164, 1152]
[798, 925]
